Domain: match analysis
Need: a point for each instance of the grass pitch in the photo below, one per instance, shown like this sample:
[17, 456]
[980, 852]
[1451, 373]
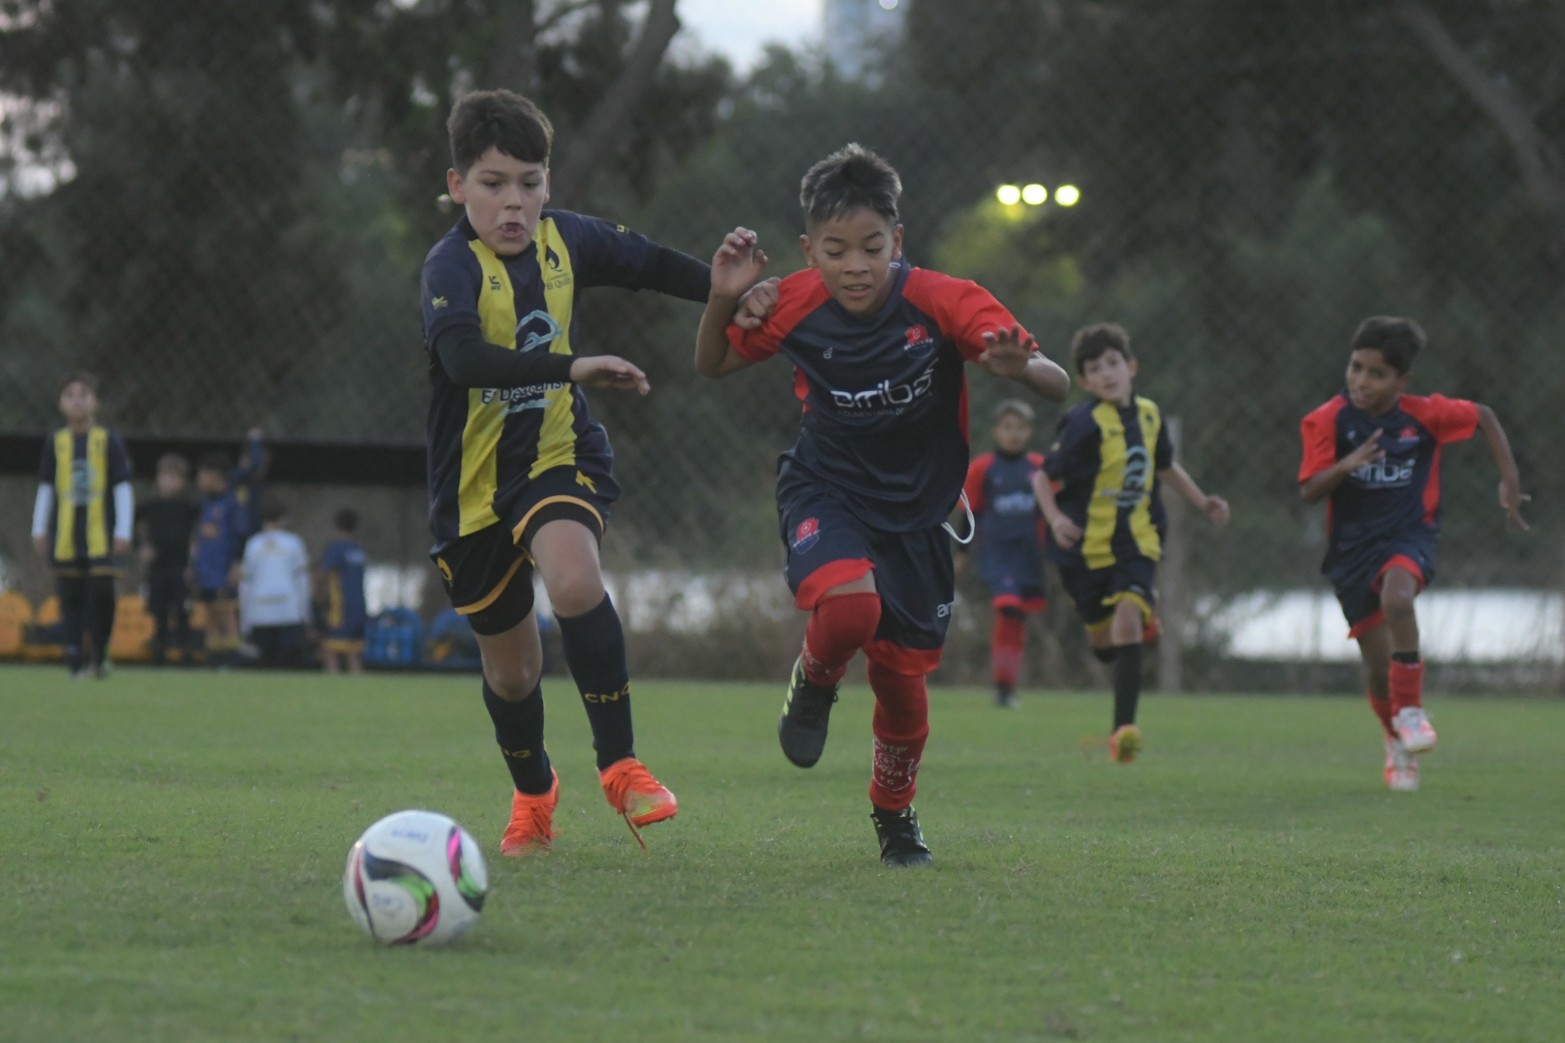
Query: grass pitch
[172, 845]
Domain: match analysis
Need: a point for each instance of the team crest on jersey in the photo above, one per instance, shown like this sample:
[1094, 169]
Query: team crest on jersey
[495, 284]
[807, 535]
[537, 329]
[918, 339]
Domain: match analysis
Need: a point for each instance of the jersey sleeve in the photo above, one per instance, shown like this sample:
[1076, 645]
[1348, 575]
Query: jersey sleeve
[964, 310]
[1448, 419]
[46, 464]
[973, 487]
[448, 290]
[609, 254]
[797, 296]
[1076, 428]
[1318, 431]
[1163, 452]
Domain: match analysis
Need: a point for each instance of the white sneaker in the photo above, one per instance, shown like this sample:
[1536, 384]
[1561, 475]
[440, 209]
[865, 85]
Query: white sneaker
[1413, 728]
[1401, 767]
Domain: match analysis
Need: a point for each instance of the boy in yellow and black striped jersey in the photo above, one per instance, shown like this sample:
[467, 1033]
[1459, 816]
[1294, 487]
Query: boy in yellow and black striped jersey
[520, 474]
[1110, 457]
[82, 521]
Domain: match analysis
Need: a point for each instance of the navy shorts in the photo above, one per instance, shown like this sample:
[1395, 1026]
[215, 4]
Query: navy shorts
[1011, 584]
[1096, 592]
[488, 574]
[827, 545]
[1357, 580]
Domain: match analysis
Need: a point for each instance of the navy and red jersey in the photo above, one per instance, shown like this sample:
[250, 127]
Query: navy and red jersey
[1106, 458]
[884, 395]
[486, 444]
[1010, 534]
[1391, 497]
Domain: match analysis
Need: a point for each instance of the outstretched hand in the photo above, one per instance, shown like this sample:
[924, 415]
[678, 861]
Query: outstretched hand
[1007, 352]
[737, 265]
[609, 371]
[1216, 511]
[1511, 500]
[757, 303]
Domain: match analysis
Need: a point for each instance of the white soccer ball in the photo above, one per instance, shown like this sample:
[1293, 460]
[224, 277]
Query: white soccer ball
[415, 877]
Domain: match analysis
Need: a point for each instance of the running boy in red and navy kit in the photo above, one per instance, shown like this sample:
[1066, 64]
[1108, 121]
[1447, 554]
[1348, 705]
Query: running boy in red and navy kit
[1376, 453]
[1008, 539]
[878, 350]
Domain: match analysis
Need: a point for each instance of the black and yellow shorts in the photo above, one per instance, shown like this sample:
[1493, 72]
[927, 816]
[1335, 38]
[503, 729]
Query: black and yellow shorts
[488, 573]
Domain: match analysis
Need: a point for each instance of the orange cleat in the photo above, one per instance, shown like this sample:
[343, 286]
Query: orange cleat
[1125, 743]
[632, 791]
[531, 831]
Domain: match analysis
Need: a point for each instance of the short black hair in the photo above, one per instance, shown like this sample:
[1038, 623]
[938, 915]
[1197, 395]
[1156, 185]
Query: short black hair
[346, 520]
[214, 460]
[1097, 340]
[1399, 340]
[1013, 407]
[852, 178]
[77, 376]
[499, 119]
[273, 508]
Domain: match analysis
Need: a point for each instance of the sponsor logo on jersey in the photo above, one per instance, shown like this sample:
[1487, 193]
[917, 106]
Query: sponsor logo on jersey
[537, 329]
[885, 395]
[919, 342]
[806, 535]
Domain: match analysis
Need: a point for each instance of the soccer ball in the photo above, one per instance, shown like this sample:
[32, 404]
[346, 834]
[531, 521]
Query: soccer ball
[415, 876]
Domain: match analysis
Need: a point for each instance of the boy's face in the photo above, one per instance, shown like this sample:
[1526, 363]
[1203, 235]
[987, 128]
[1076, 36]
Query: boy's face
[503, 197]
[854, 254]
[171, 482]
[210, 481]
[78, 403]
[1110, 377]
[1011, 434]
[1373, 383]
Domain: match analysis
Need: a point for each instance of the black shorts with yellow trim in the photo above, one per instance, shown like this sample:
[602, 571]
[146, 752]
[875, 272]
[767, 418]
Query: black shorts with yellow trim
[83, 568]
[1096, 592]
[488, 573]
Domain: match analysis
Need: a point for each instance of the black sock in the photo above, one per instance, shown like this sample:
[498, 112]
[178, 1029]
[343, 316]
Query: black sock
[1127, 684]
[595, 652]
[1104, 655]
[73, 620]
[1410, 658]
[100, 600]
[518, 728]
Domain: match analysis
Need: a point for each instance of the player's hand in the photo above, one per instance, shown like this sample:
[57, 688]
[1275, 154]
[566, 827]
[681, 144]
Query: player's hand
[1369, 452]
[41, 545]
[959, 564]
[758, 302]
[609, 371]
[1007, 352]
[1065, 532]
[737, 265]
[1511, 500]
[1216, 510]
[121, 545]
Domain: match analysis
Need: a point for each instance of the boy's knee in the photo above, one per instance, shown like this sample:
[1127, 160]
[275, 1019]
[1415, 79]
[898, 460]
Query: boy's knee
[512, 683]
[1396, 605]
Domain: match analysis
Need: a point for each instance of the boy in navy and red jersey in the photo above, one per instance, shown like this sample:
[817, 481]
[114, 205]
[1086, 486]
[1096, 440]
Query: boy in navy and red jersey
[1111, 458]
[1375, 452]
[82, 521]
[1009, 539]
[878, 350]
[520, 474]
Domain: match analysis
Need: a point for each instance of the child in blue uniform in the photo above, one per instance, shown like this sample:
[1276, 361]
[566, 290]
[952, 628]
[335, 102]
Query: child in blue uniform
[339, 589]
[1374, 452]
[878, 349]
[1008, 539]
[1111, 457]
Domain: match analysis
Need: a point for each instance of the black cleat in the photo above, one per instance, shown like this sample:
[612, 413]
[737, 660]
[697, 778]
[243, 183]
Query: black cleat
[802, 728]
[1005, 697]
[901, 842]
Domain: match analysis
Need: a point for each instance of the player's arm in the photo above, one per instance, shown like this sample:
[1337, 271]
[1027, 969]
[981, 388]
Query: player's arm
[1323, 483]
[43, 506]
[736, 267]
[470, 361]
[1511, 495]
[1013, 353]
[1214, 507]
[1064, 531]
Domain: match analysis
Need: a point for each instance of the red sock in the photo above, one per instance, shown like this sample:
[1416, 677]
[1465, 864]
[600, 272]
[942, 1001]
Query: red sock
[901, 725]
[1005, 647]
[1382, 708]
[1407, 685]
[837, 629]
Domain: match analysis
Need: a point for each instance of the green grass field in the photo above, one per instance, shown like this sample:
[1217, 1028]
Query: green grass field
[173, 843]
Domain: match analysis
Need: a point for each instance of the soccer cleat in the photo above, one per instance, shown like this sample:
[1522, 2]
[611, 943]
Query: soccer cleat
[901, 843]
[1005, 697]
[1401, 767]
[1413, 728]
[1125, 743]
[531, 831]
[802, 727]
[633, 792]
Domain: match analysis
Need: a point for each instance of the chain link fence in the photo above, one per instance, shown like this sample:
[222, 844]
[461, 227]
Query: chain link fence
[225, 217]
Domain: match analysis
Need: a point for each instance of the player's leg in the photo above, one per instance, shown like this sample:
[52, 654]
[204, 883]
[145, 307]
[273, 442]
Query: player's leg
[1007, 642]
[179, 609]
[829, 570]
[101, 602]
[1401, 766]
[1400, 582]
[71, 588]
[1130, 583]
[161, 608]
